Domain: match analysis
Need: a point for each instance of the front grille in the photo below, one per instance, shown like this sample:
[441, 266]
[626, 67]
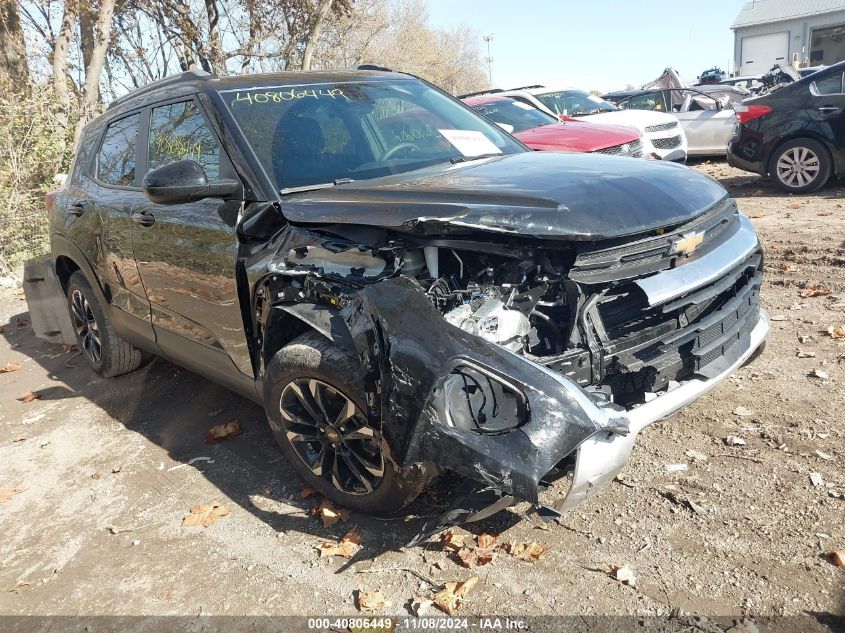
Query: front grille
[667, 143]
[627, 258]
[662, 127]
[634, 149]
[644, 348]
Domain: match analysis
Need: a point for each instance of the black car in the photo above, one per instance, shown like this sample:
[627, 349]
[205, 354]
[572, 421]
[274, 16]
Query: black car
[711, 76]
[406, 288]
[795, 134]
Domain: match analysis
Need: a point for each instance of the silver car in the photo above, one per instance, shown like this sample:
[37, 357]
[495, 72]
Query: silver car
[705, 112]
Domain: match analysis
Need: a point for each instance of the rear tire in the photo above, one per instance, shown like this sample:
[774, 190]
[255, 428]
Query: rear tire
[314, 399]
[800, 166]
[106, 353]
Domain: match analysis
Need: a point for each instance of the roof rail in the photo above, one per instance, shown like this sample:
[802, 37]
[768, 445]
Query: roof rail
[529, 87]
[373, 67]
[491, 91]
[162, 83]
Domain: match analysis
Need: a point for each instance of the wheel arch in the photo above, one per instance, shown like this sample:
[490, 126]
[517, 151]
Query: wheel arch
[68, 259]
[287, 322]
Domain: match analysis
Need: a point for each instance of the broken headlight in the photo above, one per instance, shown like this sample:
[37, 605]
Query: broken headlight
[473, 398]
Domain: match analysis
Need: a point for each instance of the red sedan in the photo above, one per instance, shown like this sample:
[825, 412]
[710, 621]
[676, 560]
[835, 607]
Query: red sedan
[541, 131]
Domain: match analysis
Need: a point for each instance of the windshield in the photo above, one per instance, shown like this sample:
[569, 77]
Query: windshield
[318, 134]
[575, 103]
[520, 116]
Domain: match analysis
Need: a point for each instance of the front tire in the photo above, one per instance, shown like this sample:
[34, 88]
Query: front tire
[106, 353]
[314, 401]
[800, 166]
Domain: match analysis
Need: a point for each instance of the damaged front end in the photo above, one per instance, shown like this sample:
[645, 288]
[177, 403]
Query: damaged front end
[515, 362]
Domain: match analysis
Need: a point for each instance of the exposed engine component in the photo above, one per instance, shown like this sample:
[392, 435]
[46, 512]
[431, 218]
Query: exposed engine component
[493, 321]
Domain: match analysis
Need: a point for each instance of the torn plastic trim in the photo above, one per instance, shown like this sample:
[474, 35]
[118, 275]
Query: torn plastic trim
[410, 349]
[601, 457]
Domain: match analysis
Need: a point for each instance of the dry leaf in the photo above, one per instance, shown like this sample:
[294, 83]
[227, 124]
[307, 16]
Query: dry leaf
[837, 331]
[307, 491]
[222, 432]
[9, 368]
[836, 557]
[371, 601]
[788, 268]
[452, 541]
[70, 348]
[529, 552]
[330, 513]
[205, 515]
[449, 598]
[624, 575]
[29, 397]
[348, 545]
[420, 606]
[814, 290]
[7, 493]
[486, 541]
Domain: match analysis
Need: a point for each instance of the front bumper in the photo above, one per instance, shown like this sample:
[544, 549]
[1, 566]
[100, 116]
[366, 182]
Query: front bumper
[600, 458]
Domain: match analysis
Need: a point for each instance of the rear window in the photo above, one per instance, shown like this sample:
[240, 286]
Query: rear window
[118, 152]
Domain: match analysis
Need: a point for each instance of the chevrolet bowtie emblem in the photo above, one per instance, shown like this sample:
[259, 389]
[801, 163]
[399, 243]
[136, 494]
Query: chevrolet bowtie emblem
[687, 243]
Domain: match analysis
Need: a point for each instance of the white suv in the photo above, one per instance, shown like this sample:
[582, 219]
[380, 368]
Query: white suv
[662, 134]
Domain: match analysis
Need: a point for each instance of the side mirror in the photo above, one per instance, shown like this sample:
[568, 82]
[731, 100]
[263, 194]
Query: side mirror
[184, 181]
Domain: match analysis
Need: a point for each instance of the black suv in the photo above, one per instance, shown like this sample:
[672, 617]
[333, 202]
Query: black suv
[405, 287]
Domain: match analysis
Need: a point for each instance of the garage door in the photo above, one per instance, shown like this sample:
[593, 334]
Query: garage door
[761, 52]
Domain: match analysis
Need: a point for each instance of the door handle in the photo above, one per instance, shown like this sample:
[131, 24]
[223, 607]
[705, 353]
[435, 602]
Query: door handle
[829, 109]
[78, 207]
[144, 218]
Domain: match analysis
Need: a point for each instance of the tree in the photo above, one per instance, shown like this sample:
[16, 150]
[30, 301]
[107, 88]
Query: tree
[14, 71]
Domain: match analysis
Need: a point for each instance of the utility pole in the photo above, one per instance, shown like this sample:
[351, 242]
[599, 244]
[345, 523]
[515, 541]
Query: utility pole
[488, 38]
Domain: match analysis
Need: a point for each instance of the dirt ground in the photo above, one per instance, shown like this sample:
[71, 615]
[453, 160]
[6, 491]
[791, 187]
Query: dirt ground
[102, 468]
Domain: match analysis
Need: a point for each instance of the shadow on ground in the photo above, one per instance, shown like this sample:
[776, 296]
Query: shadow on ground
[172, 408]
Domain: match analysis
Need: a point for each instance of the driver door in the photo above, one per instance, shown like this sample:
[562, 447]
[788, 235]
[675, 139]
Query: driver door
[187, 253]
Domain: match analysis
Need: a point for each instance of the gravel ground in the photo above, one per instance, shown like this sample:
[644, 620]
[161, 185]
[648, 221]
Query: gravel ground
[96, 527]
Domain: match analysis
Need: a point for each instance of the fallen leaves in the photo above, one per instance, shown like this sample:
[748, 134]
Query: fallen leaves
[482, 554]
[307, 491]
[330, 513]
[205, 515]
[8, 492]
[30, 396]
[9, 368]
[348, 545]
[836, 331]
[222, 432]
[836, 558]
[814, 290]
[371, 601]
[529, 552]
[450, 598]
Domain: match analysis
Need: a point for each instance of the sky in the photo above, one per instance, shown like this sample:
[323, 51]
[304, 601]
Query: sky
[595, 44]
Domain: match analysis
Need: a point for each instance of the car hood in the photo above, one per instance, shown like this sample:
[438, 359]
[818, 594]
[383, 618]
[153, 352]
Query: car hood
[541, 194]
[577, 136]
[639, 119]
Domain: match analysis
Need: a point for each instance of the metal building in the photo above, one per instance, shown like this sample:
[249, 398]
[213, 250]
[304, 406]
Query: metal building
[795, 32]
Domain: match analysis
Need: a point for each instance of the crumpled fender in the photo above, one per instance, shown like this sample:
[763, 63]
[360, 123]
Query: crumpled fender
[408, 350]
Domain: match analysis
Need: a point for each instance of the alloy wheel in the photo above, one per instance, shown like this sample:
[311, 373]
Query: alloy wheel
[798, 166]
[86, 326]
[332, 436]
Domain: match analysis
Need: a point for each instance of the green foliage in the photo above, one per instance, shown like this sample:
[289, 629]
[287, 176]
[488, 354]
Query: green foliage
[34, 148]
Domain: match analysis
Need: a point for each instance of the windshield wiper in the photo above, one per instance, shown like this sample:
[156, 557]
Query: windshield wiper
[462, 159]
[315, 187]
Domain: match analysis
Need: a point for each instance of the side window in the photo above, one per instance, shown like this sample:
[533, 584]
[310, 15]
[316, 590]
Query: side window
[829, 85]
[116, 160]
[647, 101]
[178, 131]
